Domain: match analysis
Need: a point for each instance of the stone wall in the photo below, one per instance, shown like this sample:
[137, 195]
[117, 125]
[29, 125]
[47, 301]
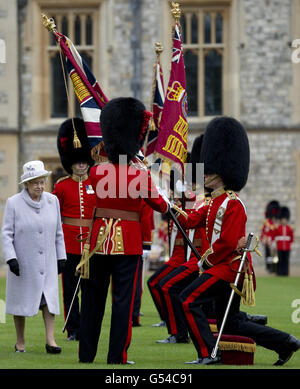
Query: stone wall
[265, 64]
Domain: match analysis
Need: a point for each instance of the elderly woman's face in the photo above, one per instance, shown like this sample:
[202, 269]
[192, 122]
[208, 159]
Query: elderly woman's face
[36, 187]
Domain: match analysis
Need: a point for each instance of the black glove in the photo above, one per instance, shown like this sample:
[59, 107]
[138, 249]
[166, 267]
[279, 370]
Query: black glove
[61, 264]
[14, 266]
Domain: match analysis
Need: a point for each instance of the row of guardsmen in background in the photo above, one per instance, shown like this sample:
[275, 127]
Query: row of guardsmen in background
[277, 236]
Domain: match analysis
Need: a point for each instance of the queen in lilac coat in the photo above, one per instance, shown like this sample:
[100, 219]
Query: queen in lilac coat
[32, 233]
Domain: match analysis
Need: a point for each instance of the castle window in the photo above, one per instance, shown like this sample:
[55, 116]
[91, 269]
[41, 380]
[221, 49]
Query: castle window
[205, 49]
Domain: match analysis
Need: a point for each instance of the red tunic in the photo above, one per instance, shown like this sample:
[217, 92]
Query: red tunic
[147, 224]
[199, 240]
[77, 200]
[267, 231]
[122, 187]
[284, 237]
[231, 224]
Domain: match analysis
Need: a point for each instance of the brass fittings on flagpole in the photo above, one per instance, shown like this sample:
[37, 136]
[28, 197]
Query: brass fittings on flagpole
[176, 11]
[158, 48]
[49, 23]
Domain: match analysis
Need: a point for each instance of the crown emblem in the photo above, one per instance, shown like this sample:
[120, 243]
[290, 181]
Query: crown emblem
[176, 91]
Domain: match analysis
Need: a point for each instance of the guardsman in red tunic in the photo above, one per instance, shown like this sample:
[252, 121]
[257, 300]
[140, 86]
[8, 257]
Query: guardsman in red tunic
[266, 236]
[77, 201]
[187, 269]
[116, 234]
[284, 237]
[182, 275]
[226, 156]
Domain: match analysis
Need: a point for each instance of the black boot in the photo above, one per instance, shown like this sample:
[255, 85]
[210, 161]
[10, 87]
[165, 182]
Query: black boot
[292, 344]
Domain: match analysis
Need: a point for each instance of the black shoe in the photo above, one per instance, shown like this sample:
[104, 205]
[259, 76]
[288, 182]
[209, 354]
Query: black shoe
[195, 362]
[292, 344]
[53, 349]
[170, 339]
[73, 337]
[174, 339]
[182, 339]
[136, 323]
[259, 319]
[161, 324]
[212, 361]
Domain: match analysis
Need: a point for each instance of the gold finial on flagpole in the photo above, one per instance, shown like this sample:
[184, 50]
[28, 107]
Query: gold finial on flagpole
[158, 48]
[176, 11]
[49, 23]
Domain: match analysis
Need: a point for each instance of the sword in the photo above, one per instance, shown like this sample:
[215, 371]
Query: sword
[185, 237]
[246, 250]
[71, 305]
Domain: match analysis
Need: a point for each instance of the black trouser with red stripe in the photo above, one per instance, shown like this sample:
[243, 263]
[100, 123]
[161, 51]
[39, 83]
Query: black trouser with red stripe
[152, 283]
[124, 272]
[69, 283]
[170, 287]
[207, 287]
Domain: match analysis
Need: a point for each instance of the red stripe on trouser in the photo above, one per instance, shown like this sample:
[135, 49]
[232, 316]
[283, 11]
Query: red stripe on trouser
[127, 343]
[166, 287]
[154, 282]
[190, 318]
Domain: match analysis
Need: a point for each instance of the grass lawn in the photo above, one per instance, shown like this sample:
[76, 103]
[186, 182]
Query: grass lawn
[274, 298]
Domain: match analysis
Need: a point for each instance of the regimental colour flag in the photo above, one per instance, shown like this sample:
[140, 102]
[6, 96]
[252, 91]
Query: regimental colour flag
[89, 94]
[157, 107]
[171, 144]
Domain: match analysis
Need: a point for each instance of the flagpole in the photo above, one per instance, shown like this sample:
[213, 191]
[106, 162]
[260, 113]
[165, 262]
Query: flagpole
[50, 25]
[176, 13]
[158, 50]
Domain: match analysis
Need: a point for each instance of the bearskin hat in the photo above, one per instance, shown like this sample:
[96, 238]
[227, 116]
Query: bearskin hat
[67, 152]
[195, 156]
[225, 151]
[284, 213]
[123, 126]
[272, 209]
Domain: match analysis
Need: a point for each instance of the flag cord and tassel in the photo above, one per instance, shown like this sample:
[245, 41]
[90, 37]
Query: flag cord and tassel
[76, 141]
[50, 25]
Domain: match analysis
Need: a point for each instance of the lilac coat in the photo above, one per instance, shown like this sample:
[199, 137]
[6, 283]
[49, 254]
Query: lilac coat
[32, 233]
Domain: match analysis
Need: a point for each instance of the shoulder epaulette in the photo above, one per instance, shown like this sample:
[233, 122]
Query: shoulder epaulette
[62, 179]
[231, 194]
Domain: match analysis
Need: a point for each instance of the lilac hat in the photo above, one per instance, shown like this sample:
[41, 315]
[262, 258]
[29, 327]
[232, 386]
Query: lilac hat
[32, 170]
